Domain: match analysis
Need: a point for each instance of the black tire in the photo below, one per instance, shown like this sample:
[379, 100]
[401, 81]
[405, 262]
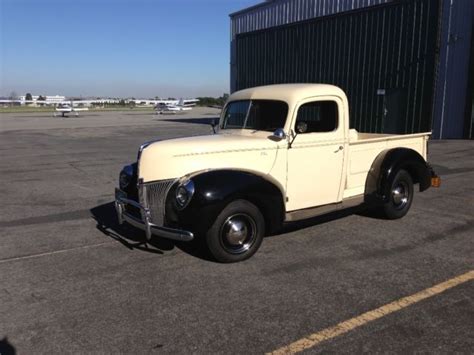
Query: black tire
[237, 232]
[400, 196]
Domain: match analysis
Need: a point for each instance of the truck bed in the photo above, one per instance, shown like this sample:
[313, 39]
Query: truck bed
[356, 137]
[365, 147]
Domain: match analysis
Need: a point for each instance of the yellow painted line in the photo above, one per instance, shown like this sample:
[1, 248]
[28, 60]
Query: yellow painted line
[348, 325]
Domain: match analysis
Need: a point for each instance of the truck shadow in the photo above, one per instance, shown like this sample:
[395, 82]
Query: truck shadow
[6, 348]
[133, 238]
[325, 218]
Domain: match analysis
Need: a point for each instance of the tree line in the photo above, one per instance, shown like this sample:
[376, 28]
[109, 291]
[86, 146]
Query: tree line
[212, 101]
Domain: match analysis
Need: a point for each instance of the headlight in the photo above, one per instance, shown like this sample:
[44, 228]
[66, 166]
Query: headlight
[184, 193]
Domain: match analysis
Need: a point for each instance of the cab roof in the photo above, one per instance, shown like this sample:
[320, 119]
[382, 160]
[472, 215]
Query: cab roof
[291, 93]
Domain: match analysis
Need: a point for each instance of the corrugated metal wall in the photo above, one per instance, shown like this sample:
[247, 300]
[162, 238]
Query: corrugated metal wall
[469, 114]
[454, 81]
[384, 57]
[282, 12]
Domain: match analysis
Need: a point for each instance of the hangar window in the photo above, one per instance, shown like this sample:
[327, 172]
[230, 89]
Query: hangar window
[261, 115]
[317, 116]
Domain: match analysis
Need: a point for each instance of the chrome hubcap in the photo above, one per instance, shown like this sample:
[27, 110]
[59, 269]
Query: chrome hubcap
[400, 195]
[238, 233]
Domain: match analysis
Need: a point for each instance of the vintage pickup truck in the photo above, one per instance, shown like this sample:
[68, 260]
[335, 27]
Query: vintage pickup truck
[281, 153]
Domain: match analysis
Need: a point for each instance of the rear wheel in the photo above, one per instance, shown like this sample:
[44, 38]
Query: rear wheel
[237, 232]
[401, 196]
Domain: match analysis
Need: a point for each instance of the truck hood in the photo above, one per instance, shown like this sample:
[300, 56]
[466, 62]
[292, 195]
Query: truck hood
[175, 158]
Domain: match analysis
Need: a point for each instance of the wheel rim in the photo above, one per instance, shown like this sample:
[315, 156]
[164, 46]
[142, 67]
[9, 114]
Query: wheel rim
[238, 233]
[400, 195]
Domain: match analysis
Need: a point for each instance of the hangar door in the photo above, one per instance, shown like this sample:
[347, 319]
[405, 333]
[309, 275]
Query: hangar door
[384, 57]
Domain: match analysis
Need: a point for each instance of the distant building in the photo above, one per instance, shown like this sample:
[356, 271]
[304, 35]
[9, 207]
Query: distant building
[49, 100]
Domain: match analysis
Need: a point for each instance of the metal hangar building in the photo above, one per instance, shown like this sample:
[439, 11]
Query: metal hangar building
[406, 65]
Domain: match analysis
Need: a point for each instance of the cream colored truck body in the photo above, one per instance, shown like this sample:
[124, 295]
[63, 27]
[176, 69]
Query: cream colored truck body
[319, 169]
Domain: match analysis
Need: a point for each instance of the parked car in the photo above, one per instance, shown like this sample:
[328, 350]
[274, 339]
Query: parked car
[282, 153]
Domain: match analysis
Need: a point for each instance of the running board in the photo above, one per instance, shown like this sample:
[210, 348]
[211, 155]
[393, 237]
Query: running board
[320, 210]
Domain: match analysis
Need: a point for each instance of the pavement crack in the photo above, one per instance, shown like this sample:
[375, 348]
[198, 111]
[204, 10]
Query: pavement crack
[30, 256]
[52, 218]
[78, 169]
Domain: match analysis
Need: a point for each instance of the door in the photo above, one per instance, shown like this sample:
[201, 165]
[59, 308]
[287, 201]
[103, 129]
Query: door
[316, 155]
[395, 107]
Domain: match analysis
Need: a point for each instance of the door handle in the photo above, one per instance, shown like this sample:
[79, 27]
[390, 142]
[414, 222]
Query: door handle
[339, 149]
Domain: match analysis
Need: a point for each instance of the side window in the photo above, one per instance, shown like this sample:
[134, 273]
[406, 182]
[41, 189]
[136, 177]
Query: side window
[317, 116]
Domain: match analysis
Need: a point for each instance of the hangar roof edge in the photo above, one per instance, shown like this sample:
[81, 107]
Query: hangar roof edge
[250, 8]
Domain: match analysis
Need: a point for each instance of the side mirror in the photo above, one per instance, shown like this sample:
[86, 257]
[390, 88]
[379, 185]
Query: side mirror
[279, 134]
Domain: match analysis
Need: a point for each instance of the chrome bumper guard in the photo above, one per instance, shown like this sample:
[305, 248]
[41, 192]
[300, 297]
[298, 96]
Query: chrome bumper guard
[150, 229]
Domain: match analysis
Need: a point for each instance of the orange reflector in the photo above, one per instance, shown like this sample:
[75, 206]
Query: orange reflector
[435, 181]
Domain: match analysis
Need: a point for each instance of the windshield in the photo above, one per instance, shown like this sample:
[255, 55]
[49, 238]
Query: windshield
[259, 115]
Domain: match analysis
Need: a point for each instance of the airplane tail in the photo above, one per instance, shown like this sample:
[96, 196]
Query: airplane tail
[181, 102]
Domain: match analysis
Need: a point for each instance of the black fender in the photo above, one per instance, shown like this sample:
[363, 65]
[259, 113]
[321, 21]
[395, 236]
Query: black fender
[215, 189]
[385, 167]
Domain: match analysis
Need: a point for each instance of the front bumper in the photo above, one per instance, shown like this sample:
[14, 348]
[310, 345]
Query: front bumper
[150, 229]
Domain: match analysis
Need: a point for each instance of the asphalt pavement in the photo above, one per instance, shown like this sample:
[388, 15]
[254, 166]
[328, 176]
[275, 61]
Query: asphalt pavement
[73, 280]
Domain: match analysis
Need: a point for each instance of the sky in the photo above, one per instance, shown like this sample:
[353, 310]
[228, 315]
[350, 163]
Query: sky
[116, 48]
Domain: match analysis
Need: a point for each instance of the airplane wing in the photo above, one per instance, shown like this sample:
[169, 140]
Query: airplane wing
[63, 109]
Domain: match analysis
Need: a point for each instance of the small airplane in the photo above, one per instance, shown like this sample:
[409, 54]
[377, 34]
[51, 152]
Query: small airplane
[188, 102]
[65, 108]
[181, 106]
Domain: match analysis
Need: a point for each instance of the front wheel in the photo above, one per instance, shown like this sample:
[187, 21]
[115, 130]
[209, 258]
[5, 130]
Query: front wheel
[401, 196]
[237, 232]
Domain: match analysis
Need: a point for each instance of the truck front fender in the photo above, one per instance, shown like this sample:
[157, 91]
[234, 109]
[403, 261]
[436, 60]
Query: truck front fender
[385, 167]
[214, 189]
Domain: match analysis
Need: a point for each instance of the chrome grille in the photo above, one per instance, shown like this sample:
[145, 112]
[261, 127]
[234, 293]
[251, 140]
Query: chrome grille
[153, 196]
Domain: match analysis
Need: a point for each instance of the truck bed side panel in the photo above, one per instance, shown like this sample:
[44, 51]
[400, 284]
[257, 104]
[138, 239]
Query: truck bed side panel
[363, 152]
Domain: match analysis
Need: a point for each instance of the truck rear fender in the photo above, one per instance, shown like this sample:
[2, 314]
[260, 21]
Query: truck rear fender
[385, 167]
[214, 189]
